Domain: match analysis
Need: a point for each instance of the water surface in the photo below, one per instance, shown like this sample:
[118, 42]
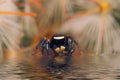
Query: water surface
[82, 67]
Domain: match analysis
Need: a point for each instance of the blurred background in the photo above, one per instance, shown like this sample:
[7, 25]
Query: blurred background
[94, 24]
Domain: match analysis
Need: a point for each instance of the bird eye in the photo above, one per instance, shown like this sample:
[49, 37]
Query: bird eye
[62, 48]
[57, 50]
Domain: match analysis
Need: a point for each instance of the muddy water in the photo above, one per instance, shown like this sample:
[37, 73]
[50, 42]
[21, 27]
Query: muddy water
[82, 67]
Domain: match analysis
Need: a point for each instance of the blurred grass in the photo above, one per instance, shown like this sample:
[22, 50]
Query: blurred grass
[26, 41]
[51, 19]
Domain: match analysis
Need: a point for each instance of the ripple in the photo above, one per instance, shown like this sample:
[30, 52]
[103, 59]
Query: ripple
[85, 69]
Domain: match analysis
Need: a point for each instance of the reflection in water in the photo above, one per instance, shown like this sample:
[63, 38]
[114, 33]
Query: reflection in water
[84, 67]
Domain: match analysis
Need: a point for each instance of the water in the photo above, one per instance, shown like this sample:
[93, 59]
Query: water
[82, 67]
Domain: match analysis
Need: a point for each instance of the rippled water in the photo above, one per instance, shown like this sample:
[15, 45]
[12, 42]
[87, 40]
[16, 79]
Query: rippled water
[82, 67]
